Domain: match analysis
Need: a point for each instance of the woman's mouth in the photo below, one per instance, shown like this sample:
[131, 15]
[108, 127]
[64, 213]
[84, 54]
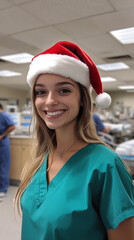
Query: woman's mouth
[54, 114]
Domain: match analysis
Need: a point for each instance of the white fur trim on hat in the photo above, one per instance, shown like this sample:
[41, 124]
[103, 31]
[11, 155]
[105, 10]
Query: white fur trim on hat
[63, 65]
[103, 100]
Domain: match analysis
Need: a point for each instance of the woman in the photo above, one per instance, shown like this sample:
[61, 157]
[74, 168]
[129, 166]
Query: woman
[76, 187]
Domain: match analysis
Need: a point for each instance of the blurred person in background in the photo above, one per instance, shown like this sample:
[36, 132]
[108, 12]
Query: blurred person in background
[6, 127]
[100, 126]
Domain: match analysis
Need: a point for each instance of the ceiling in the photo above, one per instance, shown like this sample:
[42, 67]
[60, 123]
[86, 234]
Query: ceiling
[34, 25]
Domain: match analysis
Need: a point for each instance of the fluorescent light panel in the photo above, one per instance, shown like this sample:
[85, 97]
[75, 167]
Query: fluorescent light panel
[125, 36]
[7, 73]
[108, 79]
[126, 87]
[18, 58]
[113, 66]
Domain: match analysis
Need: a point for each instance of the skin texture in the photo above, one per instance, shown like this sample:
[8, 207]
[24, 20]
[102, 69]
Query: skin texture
[57, 100]
[124, 231]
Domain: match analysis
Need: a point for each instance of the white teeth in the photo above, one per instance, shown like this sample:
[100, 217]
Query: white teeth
[54, 113]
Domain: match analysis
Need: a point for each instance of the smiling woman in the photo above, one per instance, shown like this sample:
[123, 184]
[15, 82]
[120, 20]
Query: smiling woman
[58, 102]
[76, 187]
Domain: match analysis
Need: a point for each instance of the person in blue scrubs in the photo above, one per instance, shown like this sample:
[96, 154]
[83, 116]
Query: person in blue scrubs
[75, 187]
[6, 126]
[100, 127]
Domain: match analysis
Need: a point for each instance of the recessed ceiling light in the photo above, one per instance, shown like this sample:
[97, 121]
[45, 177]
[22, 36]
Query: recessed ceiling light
[125, 36]
[18, 58]
[113, 66]
[126, 87]
[108, 79]
[6, 73]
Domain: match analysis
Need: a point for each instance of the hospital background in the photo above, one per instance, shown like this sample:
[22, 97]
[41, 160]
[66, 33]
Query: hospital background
[105, 30]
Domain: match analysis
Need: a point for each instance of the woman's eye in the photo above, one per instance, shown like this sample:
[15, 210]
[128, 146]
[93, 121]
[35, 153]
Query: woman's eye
[39, 92]
[64, 90]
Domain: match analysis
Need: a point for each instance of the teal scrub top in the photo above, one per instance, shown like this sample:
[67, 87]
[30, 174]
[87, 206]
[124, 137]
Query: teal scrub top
[91, 193]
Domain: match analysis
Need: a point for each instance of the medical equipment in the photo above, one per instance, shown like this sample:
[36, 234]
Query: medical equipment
[121, 131]
[126, 152]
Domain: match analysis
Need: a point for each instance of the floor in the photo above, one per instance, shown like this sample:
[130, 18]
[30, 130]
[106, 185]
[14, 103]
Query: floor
[10, 221]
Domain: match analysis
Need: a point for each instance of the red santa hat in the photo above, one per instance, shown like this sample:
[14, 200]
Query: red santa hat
[69, 60]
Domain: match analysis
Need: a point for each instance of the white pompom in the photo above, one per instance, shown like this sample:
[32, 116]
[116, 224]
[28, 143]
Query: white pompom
[103, 100]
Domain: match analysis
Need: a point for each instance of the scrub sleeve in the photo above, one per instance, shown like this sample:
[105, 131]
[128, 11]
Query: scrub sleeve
[92, 192]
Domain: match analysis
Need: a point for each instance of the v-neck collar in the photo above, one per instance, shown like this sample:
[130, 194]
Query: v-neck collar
[43, 187]
[65, 168]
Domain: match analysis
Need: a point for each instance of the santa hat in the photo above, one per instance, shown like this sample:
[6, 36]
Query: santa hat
[69, 60]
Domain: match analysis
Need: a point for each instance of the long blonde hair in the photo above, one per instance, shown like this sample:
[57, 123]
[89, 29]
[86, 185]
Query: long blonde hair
[46, 138]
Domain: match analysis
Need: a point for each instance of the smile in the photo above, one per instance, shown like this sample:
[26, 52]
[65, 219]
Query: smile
[56, 113]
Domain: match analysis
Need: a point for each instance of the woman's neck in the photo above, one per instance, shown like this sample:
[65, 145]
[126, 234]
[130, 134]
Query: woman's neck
[65, 142]
[66, 137]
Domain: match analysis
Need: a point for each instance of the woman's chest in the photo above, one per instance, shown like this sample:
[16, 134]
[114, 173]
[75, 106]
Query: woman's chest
[64, 212]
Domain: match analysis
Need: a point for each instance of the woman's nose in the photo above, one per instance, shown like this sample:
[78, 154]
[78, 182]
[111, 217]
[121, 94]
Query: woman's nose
[51, 99]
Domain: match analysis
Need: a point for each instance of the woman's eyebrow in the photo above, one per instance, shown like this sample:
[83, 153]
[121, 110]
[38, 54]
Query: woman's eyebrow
[39, 85]
[64, 83]
[57, 84]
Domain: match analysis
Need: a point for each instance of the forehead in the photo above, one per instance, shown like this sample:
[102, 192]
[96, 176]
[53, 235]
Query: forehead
[53, 79]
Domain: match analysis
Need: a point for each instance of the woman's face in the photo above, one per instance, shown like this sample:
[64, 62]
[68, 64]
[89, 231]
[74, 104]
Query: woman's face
[57, 100]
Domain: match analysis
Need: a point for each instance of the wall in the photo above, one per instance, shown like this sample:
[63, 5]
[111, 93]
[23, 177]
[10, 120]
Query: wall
[21, 95]
[122, 96]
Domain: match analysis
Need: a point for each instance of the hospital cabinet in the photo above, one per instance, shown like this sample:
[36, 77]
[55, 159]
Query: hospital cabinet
[21, 149]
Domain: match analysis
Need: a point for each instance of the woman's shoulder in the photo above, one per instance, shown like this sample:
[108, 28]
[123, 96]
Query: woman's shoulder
[101, 155]
[101, 149]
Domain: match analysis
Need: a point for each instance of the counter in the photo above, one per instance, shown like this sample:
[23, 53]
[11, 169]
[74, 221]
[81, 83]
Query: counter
[24, 136]
[21, 152]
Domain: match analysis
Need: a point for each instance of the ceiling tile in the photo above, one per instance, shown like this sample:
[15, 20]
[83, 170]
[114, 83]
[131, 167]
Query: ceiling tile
[5, 4]
[103, 45]
[42, 37]
[115, 20]
[9, 45]
[122, 4]
[58, 11]
[79, 28]
[20, 1]
[16, 19]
